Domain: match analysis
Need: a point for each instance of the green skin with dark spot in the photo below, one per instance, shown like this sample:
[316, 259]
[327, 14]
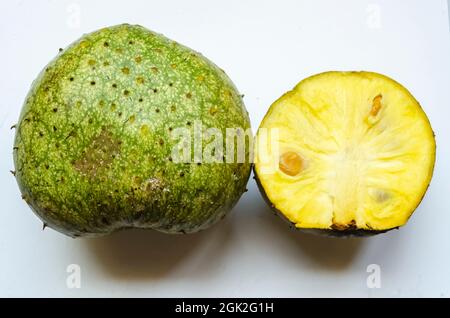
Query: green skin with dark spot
[94, 142]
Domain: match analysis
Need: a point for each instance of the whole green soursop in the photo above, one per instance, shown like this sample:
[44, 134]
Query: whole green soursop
[93, 148]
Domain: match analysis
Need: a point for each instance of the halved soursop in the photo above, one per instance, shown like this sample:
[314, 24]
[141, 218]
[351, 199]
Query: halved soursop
[345, 153]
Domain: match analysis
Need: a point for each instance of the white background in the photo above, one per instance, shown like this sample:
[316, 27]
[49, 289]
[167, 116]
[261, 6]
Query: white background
[266, 47]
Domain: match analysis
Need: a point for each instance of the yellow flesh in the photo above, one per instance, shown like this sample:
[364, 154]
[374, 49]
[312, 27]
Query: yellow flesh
[349, 150]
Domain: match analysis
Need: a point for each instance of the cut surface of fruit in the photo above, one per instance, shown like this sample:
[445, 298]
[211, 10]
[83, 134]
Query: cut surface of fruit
[345, 151]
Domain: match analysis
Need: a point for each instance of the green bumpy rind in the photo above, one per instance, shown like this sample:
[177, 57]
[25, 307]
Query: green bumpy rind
[93, 145]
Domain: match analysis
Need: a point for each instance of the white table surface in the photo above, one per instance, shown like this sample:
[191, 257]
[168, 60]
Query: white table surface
[266, 47]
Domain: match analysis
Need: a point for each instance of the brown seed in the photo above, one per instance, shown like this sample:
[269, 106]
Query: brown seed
[291, 163]
[376, 105]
